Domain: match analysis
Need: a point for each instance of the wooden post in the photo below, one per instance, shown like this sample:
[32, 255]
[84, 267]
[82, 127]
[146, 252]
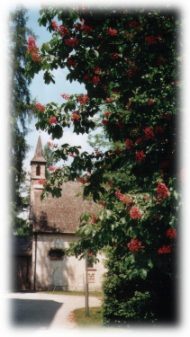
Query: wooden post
[87, 312]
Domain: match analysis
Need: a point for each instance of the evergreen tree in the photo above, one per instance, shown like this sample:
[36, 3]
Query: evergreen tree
[19, 111]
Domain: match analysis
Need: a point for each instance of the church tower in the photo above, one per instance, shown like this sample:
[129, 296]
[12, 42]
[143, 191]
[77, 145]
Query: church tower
[38, 164]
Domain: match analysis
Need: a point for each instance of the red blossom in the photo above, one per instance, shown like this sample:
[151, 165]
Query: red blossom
[135, 245]
[95, 79]
[65, 96]
[128, 144]
[149, 133]
[54, 25]
[112, 32]
[131, 71]
[139, 140]
[86, 28]
[133, 24]
[40, 107]
[115, 56]
[162, 191]
[165, 250]
[159, 129]
[83, 99]
[171, 233]
[126, 199]
[75, 116]
[135, 213]
[33, 49]
[139, 155]
[52, 120]
[71, 61]
[52, 168]
[150, 101]
[63, 30]
[120, 125]
[105, 121]
[72, 42]
[31, 44]
[109, 100]
[151, 39]
[82, 180]
[107, 114]
[97, 70]
[86, 77]
[35, 57]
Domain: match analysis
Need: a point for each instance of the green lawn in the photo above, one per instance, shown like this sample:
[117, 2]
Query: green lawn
[94, 319]
[76, 293]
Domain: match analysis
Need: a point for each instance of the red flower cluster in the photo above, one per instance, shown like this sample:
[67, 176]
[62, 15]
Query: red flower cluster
[171, 233]
[52, 168]
[83, 99]
[75, 116]
[87, 29]
[33, 49]
[126, 199]
[97, 70]
[107, 114]
[63, 30]
[159, 129]
[96, 79]
[54, 25]
[139, 155]
[133, 24]
[105, 121]
[115, 56]
[149, 133]
[72, 42]
[139, 140]
[40, 107]
[165, 250]
[135, 245]
[128, 144]
[71, 62]
[112, 32]
[109, 100]
[135, 213]
[150, 101]
[65, 96]
[52, 120]
[152, 39]
[162, 191]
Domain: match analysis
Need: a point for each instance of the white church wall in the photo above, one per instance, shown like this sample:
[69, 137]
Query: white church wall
[66, 274]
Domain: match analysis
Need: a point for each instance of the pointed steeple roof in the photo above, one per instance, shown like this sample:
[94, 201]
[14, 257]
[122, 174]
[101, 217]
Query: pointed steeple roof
[38, 157]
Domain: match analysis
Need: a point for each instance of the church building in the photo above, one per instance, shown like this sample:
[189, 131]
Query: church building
[54, 223]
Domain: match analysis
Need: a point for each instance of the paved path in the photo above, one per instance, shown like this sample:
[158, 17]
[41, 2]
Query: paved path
[42, 310]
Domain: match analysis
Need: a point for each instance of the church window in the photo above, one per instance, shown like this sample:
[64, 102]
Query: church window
[38, 170]
[56, 254]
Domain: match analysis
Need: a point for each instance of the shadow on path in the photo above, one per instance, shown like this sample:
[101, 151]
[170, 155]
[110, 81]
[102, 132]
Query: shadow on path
[33, 313]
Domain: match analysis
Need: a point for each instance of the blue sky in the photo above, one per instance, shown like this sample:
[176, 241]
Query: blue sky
[44, 93]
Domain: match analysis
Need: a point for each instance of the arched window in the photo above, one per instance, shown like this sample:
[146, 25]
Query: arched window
[38, 170]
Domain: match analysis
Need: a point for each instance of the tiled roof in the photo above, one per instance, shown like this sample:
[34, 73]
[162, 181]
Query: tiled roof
[60, 214]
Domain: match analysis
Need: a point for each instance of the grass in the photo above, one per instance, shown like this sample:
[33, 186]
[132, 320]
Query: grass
[94, 319]
[75, 293]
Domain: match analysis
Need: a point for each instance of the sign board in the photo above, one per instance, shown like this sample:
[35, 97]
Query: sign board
[91, 277]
